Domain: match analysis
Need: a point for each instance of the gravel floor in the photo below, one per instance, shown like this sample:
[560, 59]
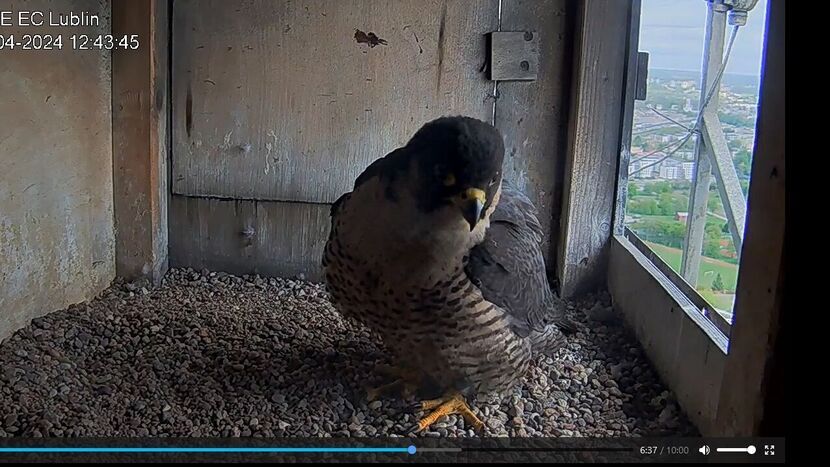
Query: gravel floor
[210, 354]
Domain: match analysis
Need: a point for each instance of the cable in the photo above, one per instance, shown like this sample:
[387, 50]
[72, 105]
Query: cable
[668, 118]
[680, 145]
[694, 129]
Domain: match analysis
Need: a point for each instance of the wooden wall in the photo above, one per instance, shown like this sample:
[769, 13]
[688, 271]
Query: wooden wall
[278, 106]
[56, 198]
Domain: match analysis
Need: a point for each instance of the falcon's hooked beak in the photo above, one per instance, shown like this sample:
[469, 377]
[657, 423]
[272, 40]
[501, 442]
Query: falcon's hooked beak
[471, 202]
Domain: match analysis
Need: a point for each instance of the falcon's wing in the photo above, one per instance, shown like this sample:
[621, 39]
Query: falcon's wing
[508, 266]
[390, 165]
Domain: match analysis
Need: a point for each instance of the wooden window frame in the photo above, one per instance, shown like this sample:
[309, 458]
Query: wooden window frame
[725, 378]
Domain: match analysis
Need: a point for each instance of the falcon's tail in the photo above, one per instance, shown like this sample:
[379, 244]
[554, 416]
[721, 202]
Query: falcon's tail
[567, 325]
[556, 314]
[547, 341]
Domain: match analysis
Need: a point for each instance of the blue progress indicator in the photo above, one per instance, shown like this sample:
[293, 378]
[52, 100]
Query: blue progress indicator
[409, 450]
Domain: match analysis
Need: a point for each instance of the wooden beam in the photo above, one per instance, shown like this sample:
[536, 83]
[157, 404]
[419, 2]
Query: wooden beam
[248, 236]
[751, 400]
[533, 115]
[686, 349]
[594, 144]
[690, 292]
[140, 138]
[633, 66]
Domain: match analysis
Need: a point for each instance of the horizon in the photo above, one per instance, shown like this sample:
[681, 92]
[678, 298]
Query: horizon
[757, 75]
[672, 32]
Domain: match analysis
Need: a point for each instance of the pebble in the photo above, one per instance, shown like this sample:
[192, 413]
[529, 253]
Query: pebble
[205, 354]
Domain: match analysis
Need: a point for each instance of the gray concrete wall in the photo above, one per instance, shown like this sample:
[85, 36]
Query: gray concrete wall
[56, 201]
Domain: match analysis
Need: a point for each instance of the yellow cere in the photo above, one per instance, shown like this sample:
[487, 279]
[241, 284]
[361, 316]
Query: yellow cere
[476, 193]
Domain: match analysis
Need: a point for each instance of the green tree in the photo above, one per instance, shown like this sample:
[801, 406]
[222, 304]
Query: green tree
[672, 203]
[681, 185]
[711, 248]
[662, 187]
[657, 187]
[711, 240]
[666, 204]
[662, 231]
[717, 284]
[743, 163]
[644, 207]
[736, 120]
[673, 229]
[715, 204]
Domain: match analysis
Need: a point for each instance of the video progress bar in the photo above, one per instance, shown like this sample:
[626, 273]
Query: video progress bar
[157, 450]
[525, 449]
[361, 450]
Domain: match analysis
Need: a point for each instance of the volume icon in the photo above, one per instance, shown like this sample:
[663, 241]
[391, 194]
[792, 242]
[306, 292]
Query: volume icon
[704, 450]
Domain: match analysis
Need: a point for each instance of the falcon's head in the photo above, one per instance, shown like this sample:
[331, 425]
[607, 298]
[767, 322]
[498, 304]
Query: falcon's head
[459, 166]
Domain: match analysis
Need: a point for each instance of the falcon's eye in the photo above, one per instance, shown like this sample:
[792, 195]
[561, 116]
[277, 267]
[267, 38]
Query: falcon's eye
[449, 180]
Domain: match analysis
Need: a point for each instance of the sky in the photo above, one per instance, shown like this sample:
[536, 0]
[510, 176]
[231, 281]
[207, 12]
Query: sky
[671, 31]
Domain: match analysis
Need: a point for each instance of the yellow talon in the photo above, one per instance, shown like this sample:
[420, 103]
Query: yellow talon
[453, 403]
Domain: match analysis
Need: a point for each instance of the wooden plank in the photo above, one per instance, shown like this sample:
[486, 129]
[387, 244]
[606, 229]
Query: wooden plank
[775, 412]
[292, 100]
[244, 236]
[140, 138]
[56, 200]
[671, 330]
[594, 144]
[749, 389]
[532, 116]
[705, 308]
[630, 90]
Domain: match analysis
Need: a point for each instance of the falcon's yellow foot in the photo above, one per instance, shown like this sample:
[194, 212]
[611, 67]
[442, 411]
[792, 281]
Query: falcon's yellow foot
[452, 403]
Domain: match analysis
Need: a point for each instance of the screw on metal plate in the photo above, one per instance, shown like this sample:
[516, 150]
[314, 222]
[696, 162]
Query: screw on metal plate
[514, 55]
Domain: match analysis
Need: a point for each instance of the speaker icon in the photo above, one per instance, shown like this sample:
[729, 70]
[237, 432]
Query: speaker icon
[704, 450]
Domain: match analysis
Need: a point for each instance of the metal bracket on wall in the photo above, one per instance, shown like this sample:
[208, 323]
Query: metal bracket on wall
[514, 55]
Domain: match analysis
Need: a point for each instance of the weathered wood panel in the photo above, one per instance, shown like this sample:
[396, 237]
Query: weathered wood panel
[56, 200]
[755, 358]
[532, 116]
[633, 73]
[140, 138]
[246, 236]
[671, 330]
[594, 144]
[292, 100]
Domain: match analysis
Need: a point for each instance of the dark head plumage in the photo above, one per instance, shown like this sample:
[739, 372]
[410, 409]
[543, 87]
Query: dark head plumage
[455, 155]
[454, 160]
[470, 149]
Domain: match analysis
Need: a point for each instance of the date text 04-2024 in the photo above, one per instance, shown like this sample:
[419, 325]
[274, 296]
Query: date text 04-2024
[74, 42]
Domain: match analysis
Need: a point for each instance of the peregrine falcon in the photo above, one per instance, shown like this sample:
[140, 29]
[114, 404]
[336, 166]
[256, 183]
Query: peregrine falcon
[443, 261]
